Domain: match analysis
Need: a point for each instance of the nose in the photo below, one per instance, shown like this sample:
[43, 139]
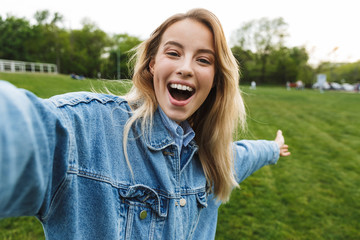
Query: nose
[185, 69]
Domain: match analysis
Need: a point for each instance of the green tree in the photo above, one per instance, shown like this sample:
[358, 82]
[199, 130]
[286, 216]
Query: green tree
[85, 49]
[14, 32]
[262, 37]
[118, 65]
[47, 43]
[289, 65]
[246, 61]
[340, 72]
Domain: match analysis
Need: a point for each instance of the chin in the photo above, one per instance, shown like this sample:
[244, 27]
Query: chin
[178, 117]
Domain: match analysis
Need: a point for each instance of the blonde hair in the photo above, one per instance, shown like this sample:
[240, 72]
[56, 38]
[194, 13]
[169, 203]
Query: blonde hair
[217, 119]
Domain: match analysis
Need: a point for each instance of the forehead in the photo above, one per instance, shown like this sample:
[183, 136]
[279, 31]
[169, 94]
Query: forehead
[191, 32]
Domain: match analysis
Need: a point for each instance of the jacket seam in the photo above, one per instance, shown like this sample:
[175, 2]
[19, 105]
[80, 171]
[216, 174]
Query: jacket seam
[59, 103]
[55, 198]
[98, 177]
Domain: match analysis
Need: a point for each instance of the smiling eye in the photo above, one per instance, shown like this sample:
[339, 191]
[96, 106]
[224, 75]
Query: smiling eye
[173, 54]
[205, 61]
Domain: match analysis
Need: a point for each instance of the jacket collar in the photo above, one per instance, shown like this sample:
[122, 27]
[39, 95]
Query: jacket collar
[158, 136]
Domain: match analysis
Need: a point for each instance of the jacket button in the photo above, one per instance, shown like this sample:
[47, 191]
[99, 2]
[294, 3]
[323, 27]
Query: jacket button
[182, 202]
[143, 214]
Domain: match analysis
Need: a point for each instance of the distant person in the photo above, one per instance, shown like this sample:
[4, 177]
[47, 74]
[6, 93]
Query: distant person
[299, 85]
[77, 77]
[253, 85]
[288, 85]
[154, 164]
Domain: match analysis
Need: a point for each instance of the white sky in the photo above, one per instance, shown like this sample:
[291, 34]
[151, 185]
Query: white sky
[319, 25]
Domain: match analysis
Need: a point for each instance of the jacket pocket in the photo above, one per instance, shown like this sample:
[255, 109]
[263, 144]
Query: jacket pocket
[202, 199]
[142, 213]
[201, 203]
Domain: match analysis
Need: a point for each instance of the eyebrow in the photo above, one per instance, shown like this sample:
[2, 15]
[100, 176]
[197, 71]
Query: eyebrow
[203, 50]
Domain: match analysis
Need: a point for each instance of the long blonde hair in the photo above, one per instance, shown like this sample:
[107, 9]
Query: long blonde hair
[217, 119]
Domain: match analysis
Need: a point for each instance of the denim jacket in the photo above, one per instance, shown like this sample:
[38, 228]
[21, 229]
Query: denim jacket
[62, 160]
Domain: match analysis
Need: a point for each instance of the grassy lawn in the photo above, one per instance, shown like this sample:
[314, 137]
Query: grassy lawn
[47, 85]
[313, 194]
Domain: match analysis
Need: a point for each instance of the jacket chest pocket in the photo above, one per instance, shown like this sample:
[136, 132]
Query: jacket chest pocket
[189, 209]
[142, 213]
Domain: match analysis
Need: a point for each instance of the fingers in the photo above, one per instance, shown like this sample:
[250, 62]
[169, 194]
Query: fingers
[284, 151]
[285, 154]
[280, 140]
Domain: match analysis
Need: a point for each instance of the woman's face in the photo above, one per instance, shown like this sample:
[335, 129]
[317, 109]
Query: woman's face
[183, 68]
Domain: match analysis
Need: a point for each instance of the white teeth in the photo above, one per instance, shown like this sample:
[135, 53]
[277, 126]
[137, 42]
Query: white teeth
[181, 87]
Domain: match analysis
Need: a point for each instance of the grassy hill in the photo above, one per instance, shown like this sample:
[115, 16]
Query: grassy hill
[313, 194]
[47, 85]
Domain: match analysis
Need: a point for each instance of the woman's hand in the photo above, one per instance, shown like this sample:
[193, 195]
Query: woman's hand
[284, 151]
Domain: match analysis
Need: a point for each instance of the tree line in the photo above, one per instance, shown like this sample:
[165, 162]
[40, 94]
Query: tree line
[258, 45]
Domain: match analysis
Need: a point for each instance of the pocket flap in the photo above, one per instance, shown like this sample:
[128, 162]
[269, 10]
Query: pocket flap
[146, 195]
[202, 199]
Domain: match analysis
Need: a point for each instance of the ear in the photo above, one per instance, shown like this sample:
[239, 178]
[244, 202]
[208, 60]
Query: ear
[151, 65]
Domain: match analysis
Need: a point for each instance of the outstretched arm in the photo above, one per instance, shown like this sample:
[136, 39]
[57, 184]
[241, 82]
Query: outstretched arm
[284, 149]
[251, 155]
[29, 133]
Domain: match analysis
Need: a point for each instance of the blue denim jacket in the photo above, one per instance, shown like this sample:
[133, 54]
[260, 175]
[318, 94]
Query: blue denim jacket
[62, 160]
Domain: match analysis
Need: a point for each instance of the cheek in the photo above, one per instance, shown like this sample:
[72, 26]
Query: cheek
[207, 79]
[162, 67]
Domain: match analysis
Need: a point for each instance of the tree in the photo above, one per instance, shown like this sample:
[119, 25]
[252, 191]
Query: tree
[85, 50]
[246, 60]
[289, 65]
[14, 32]
[48, 39]
[262, 37]
[340, 72]
[117, 65]
[41, 16]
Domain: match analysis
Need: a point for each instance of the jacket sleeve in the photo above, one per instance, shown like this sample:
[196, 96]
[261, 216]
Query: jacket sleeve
[30, 132]
[251, 155]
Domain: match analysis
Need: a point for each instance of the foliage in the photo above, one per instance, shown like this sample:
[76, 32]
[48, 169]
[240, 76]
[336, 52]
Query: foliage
[47, 41]
[313, 194]
[259, 48]
[262, 37]
[14, 32]
[117, 65]
[76, 51]
[290, 65]
[86, 47]
[258, 45]
[345, 72]
[283, 65]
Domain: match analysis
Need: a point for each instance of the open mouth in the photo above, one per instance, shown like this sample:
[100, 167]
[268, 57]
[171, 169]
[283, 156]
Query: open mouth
[180, 92]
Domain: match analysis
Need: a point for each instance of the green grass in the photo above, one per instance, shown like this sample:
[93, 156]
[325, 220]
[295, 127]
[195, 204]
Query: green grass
[47, 85]
[313, 194]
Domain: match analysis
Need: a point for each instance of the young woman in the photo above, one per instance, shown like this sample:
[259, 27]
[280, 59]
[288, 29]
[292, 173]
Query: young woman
[155, 164]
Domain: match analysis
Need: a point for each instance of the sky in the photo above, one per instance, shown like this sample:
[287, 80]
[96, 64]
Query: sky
[328, 29]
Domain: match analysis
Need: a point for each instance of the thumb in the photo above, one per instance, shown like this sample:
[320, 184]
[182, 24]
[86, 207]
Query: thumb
[279, 138]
